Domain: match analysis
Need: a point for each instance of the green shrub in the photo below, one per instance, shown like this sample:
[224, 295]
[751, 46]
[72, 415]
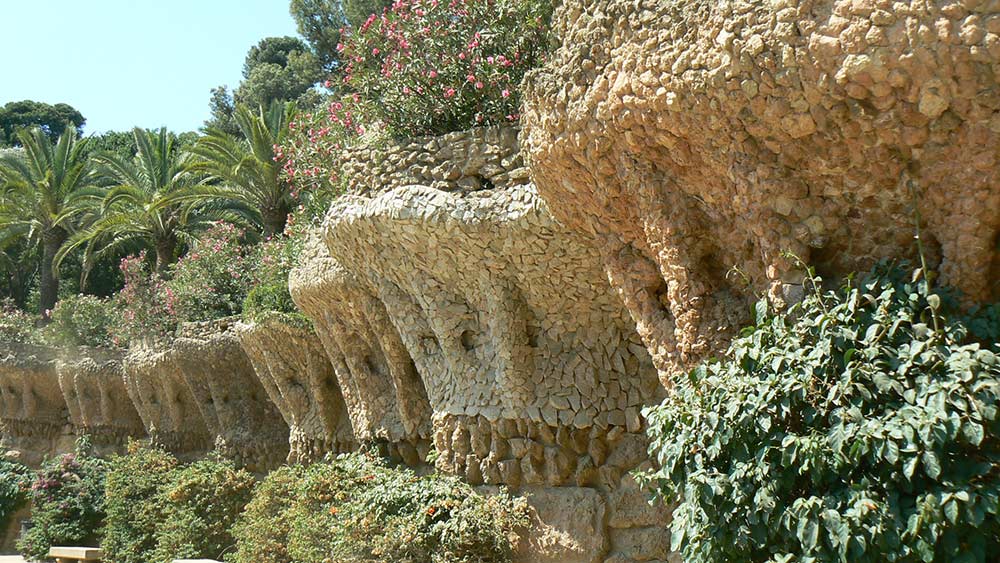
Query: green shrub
[860, 426]
[201, 505]
[81, 320]
[16, 326]
[357, 509]
[431, 68]
[15, 482]
[211, 281]
[262, 531]
[134, 505]
[67, 499]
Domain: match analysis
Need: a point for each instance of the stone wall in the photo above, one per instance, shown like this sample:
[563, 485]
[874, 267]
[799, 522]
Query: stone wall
[201, 390]
[34, 416]
[476, 318]
[92, 382]
[464, 161]
[695, 142]
[299, 379]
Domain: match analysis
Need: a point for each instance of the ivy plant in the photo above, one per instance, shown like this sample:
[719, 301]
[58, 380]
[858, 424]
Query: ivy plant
[860, 425]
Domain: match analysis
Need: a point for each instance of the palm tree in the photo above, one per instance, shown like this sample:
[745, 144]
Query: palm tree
[246, 164]
[156, 200]
[39, 200]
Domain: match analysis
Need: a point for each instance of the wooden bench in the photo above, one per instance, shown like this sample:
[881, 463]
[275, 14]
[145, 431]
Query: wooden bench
[68, 554]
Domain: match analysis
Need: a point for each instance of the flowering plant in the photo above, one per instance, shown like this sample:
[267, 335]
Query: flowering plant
[212, 279]
[67, 499]
[16, 325]
[432, 66]
[147, 304]
[314, 141]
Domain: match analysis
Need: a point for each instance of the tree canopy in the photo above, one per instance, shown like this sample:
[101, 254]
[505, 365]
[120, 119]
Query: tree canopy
[51, 119]
[277, 69]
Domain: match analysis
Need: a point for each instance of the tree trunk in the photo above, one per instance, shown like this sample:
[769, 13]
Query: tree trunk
[274, 220]
[52, 239]
[166, 248]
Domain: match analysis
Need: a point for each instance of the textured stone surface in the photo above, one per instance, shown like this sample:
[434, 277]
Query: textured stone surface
[567, 526]
[687, 138]
[502, 313]
[34, 415]
[200, 391]
[93, 385]
[463, 161]
[299, 379]
[385, 397]
[165, 404]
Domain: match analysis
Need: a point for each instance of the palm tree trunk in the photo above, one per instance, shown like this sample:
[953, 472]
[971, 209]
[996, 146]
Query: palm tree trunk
[52, 239]
[274, 219]
[166, 249]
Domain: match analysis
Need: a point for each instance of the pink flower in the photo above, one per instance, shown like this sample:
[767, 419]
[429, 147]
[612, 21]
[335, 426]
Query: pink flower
[505, 93]
[479, 85]
[449, 92]
[432, 74]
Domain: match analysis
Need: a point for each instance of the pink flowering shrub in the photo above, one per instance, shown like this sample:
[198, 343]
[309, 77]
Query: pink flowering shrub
[146, 304]
[213, 278]
[430, 67]
[310, 154]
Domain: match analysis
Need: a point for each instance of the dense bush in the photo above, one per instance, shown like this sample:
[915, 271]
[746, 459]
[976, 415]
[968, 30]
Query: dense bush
[273, 260]
[357, 509]
[146, 303]
[434, 67]
[212, 280]
[81, 320]
[67, 499]
[860, 426]
[201, 504]
[16, 326]
[15, 482]
[134, 505]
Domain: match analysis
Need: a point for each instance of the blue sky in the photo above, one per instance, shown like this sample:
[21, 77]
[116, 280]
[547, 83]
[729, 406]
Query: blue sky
[124, 63]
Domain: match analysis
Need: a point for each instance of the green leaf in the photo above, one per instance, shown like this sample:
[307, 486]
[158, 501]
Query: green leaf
[931, 464]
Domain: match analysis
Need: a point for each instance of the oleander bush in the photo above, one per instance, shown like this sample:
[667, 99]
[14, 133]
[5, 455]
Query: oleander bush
[212, 279]
[201, 504]
[15, 484]
[861, 425]
[67, 499]
[16, 326]
[146, 303]
[355, 508]
[430, 67]
[134, 504]
[274, 258]
[81, 320]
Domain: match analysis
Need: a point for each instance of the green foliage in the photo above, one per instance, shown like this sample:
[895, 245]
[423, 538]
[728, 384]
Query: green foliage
[52, 119]
[277, 69]
[201, 505]
[41, 199]
[135, 510]
[67, 500]
[860, 426]
[246, 164]
[355, 508]
[15, 482]
[157, 202]
[119, 143]
[81, 320]
[272, 301]
[212, 280]
[445, 66]
[320, 22]
[16, 326]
